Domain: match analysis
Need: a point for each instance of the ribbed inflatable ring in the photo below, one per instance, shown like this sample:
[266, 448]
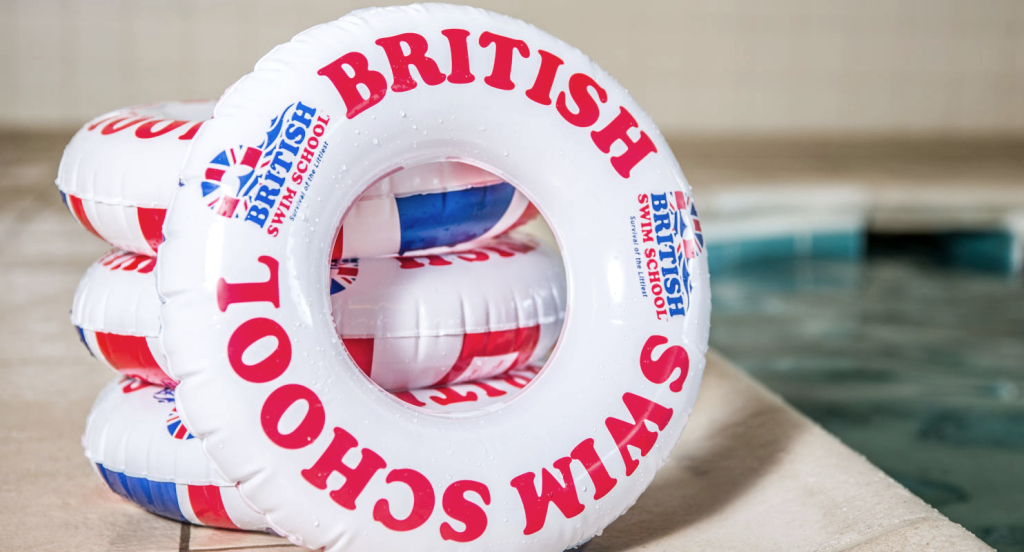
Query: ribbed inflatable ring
[331, 458]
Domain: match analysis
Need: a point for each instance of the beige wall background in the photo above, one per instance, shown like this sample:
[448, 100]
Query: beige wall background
[949, 67]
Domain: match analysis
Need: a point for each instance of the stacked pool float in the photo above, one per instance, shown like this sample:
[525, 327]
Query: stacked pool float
[452, 215]
[312, 299]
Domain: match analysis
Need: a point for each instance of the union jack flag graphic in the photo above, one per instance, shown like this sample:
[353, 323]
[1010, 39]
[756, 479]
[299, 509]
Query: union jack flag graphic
[229, 167]
[343, 274]
[176, 428]
[691, 238]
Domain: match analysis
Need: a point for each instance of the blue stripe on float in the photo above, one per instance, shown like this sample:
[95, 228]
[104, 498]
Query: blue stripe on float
[81, 336]
[64, 200]
[158, 497]
[451, 218]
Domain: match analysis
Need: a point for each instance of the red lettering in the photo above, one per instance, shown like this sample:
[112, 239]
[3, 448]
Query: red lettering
[132, 386]
[191, 132]
[450, 396]
[356, 478]
[536, 505]
[501, 73]
[501, 252]
[251, 292]
[541, 90]
[636, 434]
[288, 197]
[113, 127]
[659, 370]
[99, 122]
[511, 245]
[589, 111]
[587, 455]
[514, 380]
[417, 57]
[488, 389]
[136, 261]
[433, 260]
[278, 403]
[475, 255]
[278, 217]
[147, 130]
[459, 508]
[347, 86]
[457, 42]
[248, 333]
[422, 502]
[617, 130]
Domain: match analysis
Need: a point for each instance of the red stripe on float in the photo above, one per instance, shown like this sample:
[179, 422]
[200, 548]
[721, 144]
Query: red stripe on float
[131, 356]
[79, 210]
[208, 506]
[361, 350]
[408, 397]
[529, 213]
[151, 222]
[338, 243]
[125, 351]
[489, 344]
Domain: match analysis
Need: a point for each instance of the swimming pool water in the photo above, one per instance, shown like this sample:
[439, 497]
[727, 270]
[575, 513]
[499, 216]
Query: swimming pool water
[918, 367]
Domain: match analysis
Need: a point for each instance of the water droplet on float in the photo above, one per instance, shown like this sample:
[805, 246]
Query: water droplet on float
[414, 127]
[375, 142]
[316, 523]
[505, 153]
[401, 114]
[344, 168]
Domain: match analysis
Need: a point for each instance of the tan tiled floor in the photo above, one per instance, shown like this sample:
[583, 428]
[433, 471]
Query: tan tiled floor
[749, 473]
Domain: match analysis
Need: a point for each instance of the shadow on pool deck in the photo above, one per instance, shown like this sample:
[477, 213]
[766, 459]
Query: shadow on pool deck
[725, 460]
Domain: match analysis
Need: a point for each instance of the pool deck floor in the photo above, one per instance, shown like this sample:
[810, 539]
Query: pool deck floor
[750, 473]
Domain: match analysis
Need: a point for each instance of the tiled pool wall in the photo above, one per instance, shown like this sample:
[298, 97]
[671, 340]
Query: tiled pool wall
[992, 250]
[818, 245]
